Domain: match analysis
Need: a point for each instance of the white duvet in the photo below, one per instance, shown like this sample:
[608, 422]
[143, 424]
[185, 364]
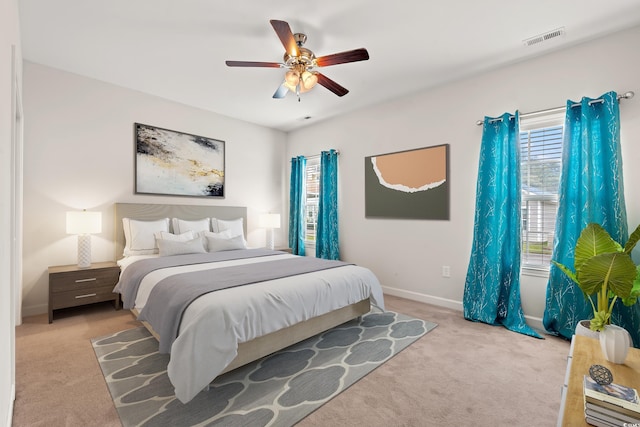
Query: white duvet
[214, 324]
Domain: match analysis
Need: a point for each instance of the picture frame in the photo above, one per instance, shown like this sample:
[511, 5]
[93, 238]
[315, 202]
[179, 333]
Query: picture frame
[174, 163]
[411, 184]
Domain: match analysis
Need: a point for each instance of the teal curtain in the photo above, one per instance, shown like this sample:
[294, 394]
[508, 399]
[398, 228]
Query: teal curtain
[297, 194]
[492, 286]
[327, 242]
[591, 190]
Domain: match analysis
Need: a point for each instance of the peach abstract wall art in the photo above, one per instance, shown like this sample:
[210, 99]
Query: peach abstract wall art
[408, 184]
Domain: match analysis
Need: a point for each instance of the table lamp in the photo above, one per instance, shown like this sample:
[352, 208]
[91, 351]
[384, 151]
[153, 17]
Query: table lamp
[269, 221]
[83, 224]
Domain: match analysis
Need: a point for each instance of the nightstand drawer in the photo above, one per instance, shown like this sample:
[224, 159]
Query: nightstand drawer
[78, 280]
[84, 296]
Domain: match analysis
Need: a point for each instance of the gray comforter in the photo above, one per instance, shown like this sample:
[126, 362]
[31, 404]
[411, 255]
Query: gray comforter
[171, 296]
[132, 276]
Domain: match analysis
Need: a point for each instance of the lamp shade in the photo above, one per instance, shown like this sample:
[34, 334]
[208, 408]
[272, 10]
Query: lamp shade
[83, 222]
[269, 221]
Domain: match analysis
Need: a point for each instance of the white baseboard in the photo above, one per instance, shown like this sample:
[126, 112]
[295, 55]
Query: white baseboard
[534, 322]
[34, 310]
[428, 299]
[12, 400]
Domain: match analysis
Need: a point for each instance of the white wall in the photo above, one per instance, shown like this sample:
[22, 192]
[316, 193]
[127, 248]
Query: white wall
[10, 80]
[79, 153]
[408, 255]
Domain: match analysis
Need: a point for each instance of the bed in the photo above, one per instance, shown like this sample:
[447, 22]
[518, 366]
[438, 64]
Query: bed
[282, 304]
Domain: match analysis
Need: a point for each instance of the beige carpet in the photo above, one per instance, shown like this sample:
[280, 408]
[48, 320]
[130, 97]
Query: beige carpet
[461, 373]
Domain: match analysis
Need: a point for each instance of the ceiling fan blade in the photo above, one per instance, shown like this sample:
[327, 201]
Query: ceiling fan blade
[283, 30]
[331, 85]
[343, 57]
[281, 92]
[252, 64]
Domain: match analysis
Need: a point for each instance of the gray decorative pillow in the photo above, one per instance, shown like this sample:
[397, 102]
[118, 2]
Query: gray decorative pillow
[216, 244]
[174, 247]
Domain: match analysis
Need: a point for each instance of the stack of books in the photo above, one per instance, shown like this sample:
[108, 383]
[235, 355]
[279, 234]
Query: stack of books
[611, 405]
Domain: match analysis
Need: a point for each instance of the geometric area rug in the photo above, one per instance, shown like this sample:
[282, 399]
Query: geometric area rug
[277, 390]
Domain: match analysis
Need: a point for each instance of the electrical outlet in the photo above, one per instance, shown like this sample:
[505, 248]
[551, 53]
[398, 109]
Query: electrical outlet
[446, 271]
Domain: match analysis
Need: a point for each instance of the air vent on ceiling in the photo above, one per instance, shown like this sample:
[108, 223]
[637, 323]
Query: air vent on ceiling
[544, 37]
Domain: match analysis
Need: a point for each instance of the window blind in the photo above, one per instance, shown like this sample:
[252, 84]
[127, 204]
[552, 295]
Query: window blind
[541, 166]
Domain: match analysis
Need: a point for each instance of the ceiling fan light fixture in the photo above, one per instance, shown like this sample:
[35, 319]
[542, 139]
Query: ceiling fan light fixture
[292, 77]
[307, 81]
[291, 80]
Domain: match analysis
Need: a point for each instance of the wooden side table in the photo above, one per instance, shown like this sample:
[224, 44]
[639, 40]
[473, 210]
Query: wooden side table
[585, 352]
[71, 286]
[283, 249]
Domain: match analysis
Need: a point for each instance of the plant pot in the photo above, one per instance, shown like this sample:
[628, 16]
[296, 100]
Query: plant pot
[615, 342]
[583, 328]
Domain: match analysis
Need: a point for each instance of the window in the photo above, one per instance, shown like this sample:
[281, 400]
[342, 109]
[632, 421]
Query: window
[312, 199]
[541, 165]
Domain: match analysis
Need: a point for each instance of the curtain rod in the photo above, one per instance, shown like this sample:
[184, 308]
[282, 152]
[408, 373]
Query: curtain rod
[627, 95]
[318, 155]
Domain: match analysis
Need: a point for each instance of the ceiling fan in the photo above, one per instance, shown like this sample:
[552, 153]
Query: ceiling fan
[301, 63]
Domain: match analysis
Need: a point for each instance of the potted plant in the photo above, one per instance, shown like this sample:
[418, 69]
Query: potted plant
[605, 272]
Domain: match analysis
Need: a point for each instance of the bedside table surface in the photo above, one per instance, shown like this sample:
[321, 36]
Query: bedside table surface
[74, 267]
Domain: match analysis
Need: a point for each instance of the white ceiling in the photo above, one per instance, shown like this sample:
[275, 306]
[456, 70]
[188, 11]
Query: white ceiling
[176, 49]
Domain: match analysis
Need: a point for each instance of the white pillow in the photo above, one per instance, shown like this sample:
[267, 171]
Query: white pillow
[217, 244]
[235, 225]
[176, 247]
[164, 235]
[197, 226]
[140, 236]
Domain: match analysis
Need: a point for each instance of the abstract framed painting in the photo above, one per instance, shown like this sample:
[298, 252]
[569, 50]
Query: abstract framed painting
[412, 184]
[178, 163]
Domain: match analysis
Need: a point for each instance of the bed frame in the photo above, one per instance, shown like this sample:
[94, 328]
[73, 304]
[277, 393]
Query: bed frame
[262, 346]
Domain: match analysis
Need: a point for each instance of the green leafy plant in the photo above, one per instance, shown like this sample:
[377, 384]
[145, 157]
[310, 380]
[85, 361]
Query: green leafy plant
[604, 271]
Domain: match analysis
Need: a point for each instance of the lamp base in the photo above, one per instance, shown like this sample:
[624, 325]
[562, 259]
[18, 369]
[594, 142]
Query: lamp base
[84, 250]
[270, 244]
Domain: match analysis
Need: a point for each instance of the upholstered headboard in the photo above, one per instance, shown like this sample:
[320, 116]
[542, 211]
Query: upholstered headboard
[146, 211]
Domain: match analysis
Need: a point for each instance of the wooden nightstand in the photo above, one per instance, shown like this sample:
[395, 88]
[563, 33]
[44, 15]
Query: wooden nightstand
[71, 286]
[283, 249]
